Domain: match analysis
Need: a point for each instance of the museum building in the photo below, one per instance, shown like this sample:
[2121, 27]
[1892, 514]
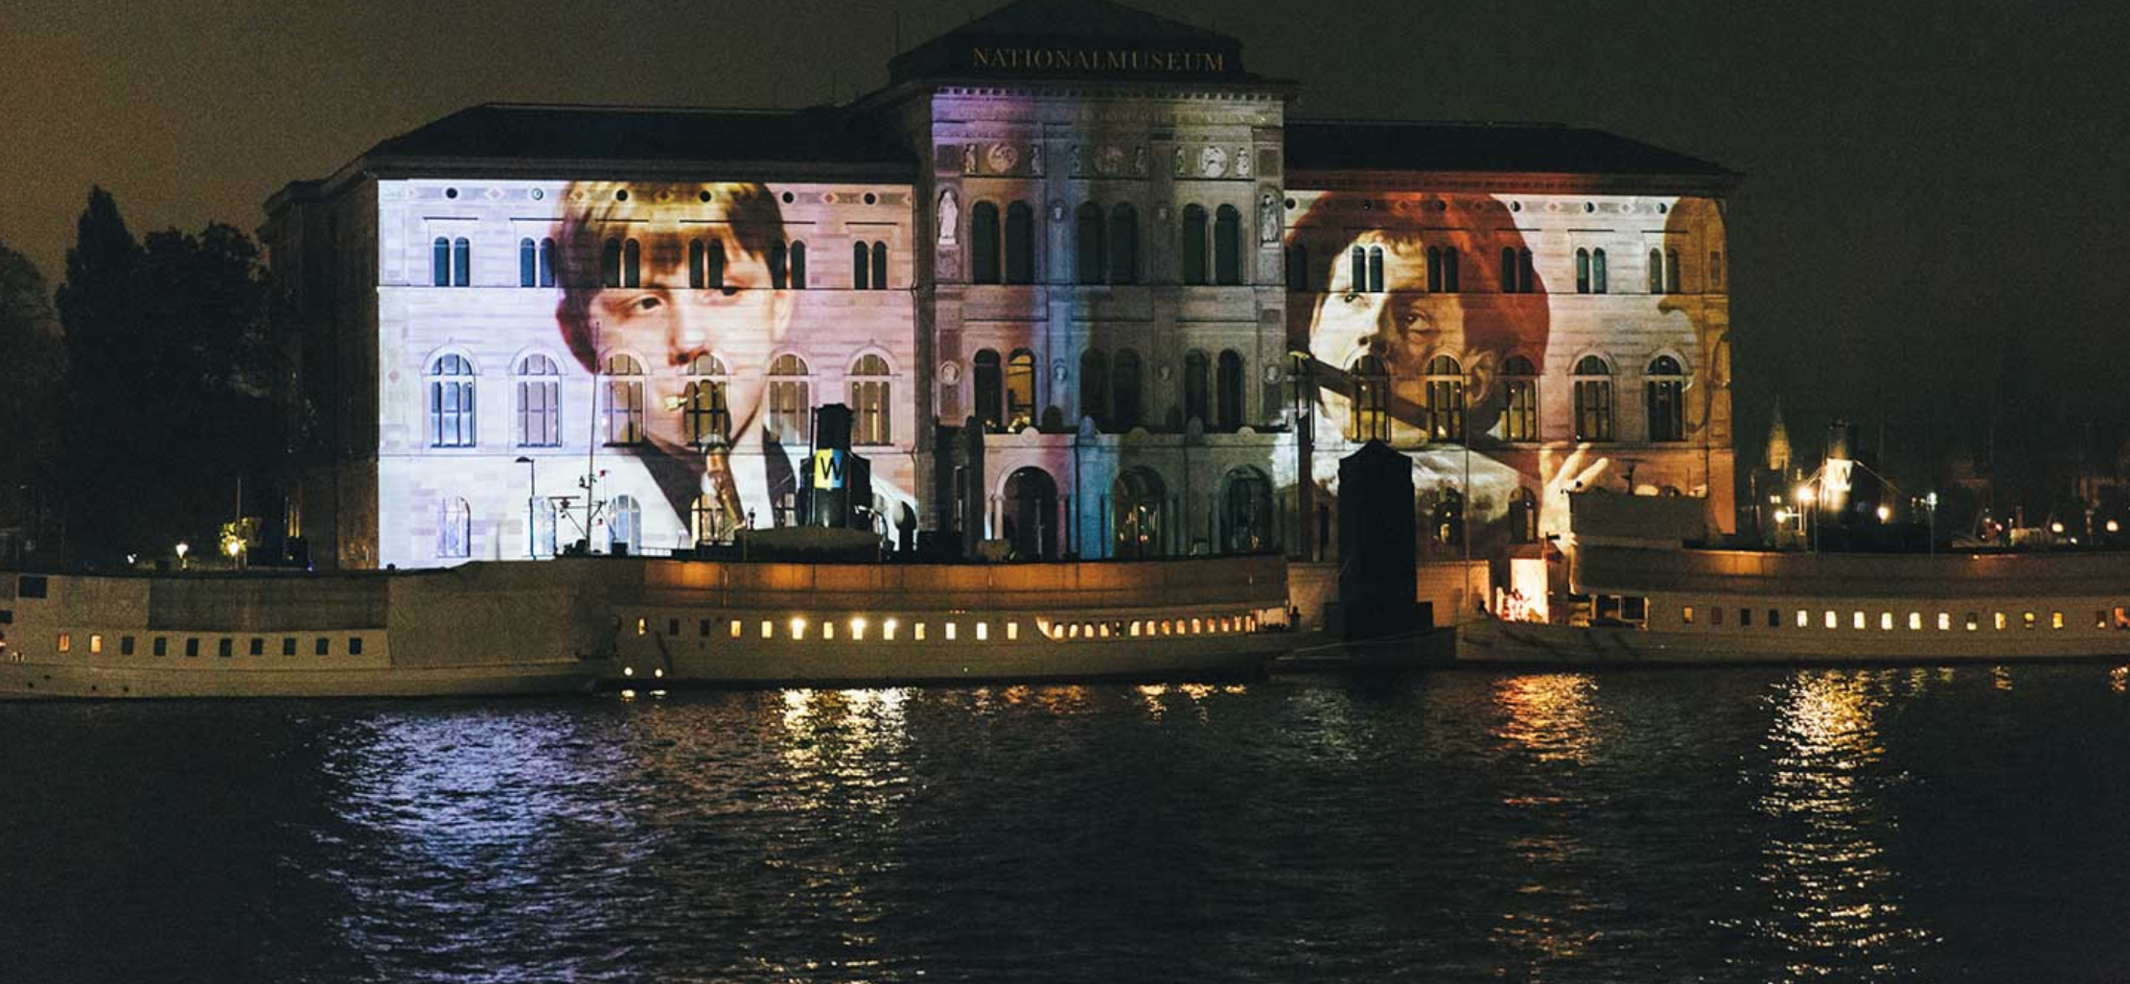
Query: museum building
[1085, 286]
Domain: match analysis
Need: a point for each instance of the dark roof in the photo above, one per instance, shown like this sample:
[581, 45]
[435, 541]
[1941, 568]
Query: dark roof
[607, 133]
[1078, 25]
[1543, 148]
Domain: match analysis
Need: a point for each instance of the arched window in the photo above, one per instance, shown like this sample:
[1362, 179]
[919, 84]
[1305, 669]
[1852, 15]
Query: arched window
[1671, 272]
[1582, 271]
[1091, 257]
[790, 401]
[861, 267]
[461, 262]
[704, 413]
[1227, 245]
[1368, 390]
[1523, 516]
[624, 400]
[1375, 269]
[1597, 271]
[1528, 282]
[1198, 388]
[1246, 511]
[983, 244]
[1359, 272]
[1124, 391]
[1656, 271]
[1664, 395]
[1230, 390]
[547, 262]
[798, 265]
[1020, 244]
[1508, 270]
[1032, 524]
[1193, 245]
[528, 263]
[1519, 416]
[631, 263]
[698, 265]
[1451, 282]
[1138, 500]
[989, 383]
[440, 262]
[1298, 268]
[1434, 269]
[709, 272]
[706, 519]
[454, 528]
[869, 400]
[779, 266]
[880, 266]
[1445, 399]
[1124, 245]
[1593, 400]
[1094, 386]
[539, 402]
[1020, 389]
[451, 402]
[610, 263]
[624, 526]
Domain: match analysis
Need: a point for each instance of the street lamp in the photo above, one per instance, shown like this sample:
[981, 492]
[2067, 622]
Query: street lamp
[181, 549]
[532, 501]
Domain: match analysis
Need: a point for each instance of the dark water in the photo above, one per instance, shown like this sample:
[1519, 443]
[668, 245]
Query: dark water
[1724, 825]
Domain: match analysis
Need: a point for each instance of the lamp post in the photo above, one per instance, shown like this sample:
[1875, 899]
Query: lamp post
[532, 502]
[181, 550]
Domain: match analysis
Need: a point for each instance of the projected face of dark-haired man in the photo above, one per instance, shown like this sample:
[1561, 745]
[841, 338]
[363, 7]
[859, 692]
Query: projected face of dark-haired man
[653, 309]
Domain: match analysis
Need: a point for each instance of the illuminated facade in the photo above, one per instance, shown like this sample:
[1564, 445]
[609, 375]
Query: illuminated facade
[1088, 288]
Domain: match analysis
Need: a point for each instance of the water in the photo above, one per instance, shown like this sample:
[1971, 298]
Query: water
[1718, 825]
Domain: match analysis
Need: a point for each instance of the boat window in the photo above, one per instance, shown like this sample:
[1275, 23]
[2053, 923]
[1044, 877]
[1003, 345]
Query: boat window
[672, 626]
[2027, 619]
[983, 631]
[354, 645]
[643, 626]
[1774, 618]
[1013, 630]
[950, 631]
[704, 629]
[1974, 621]
[1804, 619]
[125, 645]
[828, 630]
[1944, 622]
[1886, 621]
[162, 646]
[66, 642]
[1745, 618]
[96, 641]
[226, 648]
[1833, 621]
[1999, 619]
[736, 628]
[192, 647]
[1915, 621]
[1686, 614]
[30, 587]
[288, 645]
[768, 630]
[258, 646]
[7, 616]
[2055, 620]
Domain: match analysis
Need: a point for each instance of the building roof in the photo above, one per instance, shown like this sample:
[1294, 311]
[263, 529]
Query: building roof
[521, 132]
[1539, 148]
[1073, 28]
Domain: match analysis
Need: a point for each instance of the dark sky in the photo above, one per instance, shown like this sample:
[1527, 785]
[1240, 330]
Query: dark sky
[1928, 183]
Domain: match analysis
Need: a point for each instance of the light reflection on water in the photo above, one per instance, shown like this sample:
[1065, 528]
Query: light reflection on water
[1735, 825]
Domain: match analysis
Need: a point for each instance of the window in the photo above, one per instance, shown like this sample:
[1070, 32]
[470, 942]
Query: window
[880, 266]
[1517, 276]
[610, 263]
[1091, 255]
[547, 262]
[1666, 402]
[288, 645]
[161, 647]
[528, 263]
[1523, 516]
[539, 402]
[324, 647]
[1020, 244]
[225, 648]
[1656, 271]
[631, 263]
[1227, 245]
[1367, 273]
[624, 526]
[454, 528]
[1368, 382]
[1124, 245]
[983, 244]
[354, 645]
[1686, 615]
[1520, 405]
[861, 267]
[1445, 399]
[706, 264]
[1582, 271]
[706, 519]
[624, 400]
[1593, 400]
[1297, 268]
[1375, 269]
[987, 379]
[789, 401]
[541, 515]
[1597, 271]
[1715, 614]
[1124, 391]
[258, 646]
[1094, 386]
[1020, 389]
[461, 262]
[1442, 269]
[1230, 390]
[451, 402]
[796, 259]
[1197, 387]
[125, 645]
[1590, 271]
[1192, 250]
[440, 262]
[704, 413]
[1671, 271]
[869, 399]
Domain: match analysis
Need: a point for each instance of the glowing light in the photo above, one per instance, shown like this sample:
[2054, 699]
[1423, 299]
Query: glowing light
[2056, 528]
[1805, 495]
[1885, 513]
[858, 628]
[659, 672]
[2114, 527]
[628, 671]
[1782, 515]
[798, 628]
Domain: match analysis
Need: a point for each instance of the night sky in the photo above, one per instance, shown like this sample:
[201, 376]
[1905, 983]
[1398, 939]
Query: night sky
[1928, 183]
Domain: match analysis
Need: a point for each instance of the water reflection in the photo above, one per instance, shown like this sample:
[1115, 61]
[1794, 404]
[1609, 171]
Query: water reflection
[1835, 903]
[1548, 715]
[1548, 718]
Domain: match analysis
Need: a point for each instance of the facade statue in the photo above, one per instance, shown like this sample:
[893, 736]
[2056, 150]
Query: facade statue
[949, 217]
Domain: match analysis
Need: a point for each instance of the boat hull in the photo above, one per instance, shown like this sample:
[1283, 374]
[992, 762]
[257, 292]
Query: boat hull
[21, 681]
[1489, 641]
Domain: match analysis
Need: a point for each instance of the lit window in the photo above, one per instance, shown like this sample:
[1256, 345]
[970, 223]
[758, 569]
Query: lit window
[887, 629]
[1665, 400]
[768, 629]
[2001, 621]
[1443, 393]
[1135, 629]
[828, 630]
[869, 398]
[1833, 621]
[983, 631]
[1013, 631]
[624, 400]
[736, 628]
[2055, 622]
[1857, 620]
[451, 380]
[454, 528]
[539, 402]
[96, 642]
[66, 642]
[858, 628]
[1196, 627]
[2027, 619]
[798, 628]
[704, 413]
[643, 626]
[919, 632]
[1593, 399]
[950, 631]
[1368, 389]
[1974, 621]
[1886, 621]
[1944, 622]
[1804, 619]
[790, 405]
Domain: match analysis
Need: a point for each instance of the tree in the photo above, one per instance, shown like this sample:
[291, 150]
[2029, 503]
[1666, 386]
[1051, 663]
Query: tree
[31, 364]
